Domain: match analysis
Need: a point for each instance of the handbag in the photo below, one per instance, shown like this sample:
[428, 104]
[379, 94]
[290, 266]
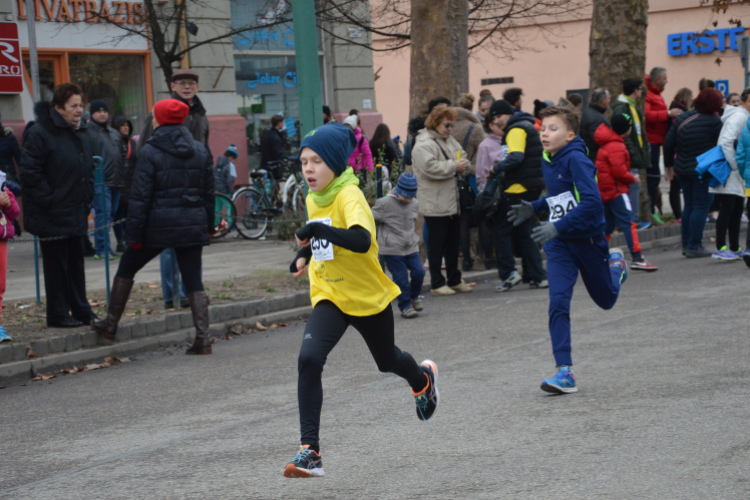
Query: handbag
[466, 196]
[488, 202]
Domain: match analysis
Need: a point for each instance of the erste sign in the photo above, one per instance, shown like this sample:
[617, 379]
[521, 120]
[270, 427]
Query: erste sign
[680, 44]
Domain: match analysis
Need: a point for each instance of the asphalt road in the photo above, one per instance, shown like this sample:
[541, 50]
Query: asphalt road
[662, 411]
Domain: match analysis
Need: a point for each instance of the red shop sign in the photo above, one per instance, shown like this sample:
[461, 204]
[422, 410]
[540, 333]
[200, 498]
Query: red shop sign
[11, 71]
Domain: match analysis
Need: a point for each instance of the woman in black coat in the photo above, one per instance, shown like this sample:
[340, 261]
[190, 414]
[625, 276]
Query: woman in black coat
[171, 206]
[57, 175]
[692, 134]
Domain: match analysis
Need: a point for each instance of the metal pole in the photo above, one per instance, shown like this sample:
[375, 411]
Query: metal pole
[100, 187]
[307, 62]
[745, 57]
[176, 301]
[36, 93]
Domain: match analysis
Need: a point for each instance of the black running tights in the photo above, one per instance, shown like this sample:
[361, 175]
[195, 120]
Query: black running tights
[326, 326]
[729, 220]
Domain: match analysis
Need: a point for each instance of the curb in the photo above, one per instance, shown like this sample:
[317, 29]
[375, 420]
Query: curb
[56, 362]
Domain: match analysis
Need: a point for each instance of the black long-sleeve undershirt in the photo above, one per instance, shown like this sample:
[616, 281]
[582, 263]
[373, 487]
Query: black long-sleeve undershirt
[356, 239]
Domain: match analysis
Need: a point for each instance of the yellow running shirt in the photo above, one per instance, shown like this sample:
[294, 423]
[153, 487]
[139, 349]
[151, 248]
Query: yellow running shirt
[355, 282]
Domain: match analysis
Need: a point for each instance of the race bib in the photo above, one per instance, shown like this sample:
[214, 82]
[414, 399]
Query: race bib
[561, 205]
[322, 249]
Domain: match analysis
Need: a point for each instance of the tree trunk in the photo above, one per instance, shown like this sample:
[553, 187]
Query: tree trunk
[617, 48]
[439, 55]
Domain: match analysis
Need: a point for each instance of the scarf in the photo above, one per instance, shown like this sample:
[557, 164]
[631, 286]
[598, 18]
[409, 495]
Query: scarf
[325, 197]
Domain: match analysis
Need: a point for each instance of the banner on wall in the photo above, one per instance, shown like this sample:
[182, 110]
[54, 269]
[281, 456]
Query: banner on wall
[11, 72]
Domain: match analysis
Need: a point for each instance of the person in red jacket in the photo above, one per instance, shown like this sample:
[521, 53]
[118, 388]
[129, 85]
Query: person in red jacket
[657, 125]
[614, 177]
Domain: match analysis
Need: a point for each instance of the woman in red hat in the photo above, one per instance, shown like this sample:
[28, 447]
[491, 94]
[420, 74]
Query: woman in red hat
[171, 206]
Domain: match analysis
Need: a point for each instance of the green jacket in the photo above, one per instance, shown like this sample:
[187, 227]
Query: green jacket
[640, 157]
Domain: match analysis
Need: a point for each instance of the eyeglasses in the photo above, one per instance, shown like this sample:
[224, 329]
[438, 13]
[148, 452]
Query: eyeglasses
[448, 125]
[186, 83]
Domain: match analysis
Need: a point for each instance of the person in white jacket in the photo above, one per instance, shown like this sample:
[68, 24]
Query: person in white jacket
[731, 196]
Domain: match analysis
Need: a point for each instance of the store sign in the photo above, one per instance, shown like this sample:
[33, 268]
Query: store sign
[264, 36]
[11, 73]
[289, 80]
[705, 42]
[90, 11]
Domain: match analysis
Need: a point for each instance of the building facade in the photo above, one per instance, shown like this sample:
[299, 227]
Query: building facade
[557, 64]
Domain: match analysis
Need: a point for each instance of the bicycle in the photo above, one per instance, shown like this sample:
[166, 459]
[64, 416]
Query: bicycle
[263, 200]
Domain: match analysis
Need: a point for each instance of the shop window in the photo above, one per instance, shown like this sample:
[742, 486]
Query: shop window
[118, 80]
[267, 86]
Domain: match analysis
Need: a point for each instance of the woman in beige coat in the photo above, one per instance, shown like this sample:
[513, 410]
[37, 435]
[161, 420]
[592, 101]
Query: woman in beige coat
[436, 165]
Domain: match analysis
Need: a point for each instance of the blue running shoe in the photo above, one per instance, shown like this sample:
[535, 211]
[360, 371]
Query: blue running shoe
[4, 337]
[617, 259]
[562, 383]
[307, 463]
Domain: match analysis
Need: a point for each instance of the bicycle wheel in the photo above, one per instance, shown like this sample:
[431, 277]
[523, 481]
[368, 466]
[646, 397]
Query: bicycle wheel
[253, 213]
[225, 215]
[299, 204]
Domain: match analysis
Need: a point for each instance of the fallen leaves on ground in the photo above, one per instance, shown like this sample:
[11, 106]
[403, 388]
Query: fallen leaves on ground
[213, 340]
[43, 378]
[274, 326]
[712, 239]
[228, 337]
[3, 386]
[260, 327]
[95, 303]
[283, 325]
[130, 314]
[31, 354]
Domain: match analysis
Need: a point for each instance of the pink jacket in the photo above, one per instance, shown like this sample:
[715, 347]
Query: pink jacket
[7, 216]
[361, 158]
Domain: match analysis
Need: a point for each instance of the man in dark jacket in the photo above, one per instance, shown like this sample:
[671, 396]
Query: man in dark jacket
[9, 151]
[272, 147]
[114, 172]
[592, 118]
[171, 205]
[127, 150]
[628, 103]
[520, 177]
[57, 175]
[185, 86]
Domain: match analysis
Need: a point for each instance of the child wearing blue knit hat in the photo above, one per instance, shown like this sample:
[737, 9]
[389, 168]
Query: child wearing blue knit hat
[395, 215]
[347, 287]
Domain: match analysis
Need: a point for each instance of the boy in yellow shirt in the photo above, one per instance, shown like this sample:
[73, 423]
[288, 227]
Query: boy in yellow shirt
[347, 287]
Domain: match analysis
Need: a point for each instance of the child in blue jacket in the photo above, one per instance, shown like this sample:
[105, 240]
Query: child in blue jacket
[573, 236]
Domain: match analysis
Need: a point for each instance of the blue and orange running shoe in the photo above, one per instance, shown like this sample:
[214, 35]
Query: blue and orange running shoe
[307, 463]
[617, 259]
[562, 383]
[429, 398]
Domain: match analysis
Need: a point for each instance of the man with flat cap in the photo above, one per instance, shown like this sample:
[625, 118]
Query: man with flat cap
[184, 88]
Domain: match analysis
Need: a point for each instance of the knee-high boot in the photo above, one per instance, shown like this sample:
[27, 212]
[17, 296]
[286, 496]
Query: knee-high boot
[199, 308]
[118, 297]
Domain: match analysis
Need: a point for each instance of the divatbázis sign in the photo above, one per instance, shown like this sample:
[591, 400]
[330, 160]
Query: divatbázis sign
[89, 11]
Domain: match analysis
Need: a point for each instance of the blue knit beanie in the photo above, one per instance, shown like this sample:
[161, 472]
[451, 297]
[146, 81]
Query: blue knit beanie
[334, 143]
[407, 185]
[232, 150]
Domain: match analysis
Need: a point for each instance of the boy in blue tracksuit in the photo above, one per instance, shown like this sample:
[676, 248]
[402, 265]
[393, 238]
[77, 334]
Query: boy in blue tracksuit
[573, 236]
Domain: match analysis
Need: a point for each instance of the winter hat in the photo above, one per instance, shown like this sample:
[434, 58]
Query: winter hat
[351, 120]
[499, 107]
[232, 150]
[96, 105]
[407, 185]
[538, 106]
[333, 142]
[621, 123]
[170, 112]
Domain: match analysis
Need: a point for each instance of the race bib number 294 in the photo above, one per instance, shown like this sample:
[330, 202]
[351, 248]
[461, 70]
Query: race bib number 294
[322, 249]
[561, 205]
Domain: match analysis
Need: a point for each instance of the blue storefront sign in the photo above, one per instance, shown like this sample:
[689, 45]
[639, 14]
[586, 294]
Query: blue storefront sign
[705, 42]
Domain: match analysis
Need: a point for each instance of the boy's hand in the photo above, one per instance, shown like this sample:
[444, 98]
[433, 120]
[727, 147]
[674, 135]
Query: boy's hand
[302, 243]
[4, 199]
[301, 267]
[669, 173]
[519, 213]
[544, 232]
[636, 179]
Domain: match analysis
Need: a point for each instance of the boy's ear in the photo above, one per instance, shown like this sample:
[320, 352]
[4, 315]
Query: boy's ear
[571, 136]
